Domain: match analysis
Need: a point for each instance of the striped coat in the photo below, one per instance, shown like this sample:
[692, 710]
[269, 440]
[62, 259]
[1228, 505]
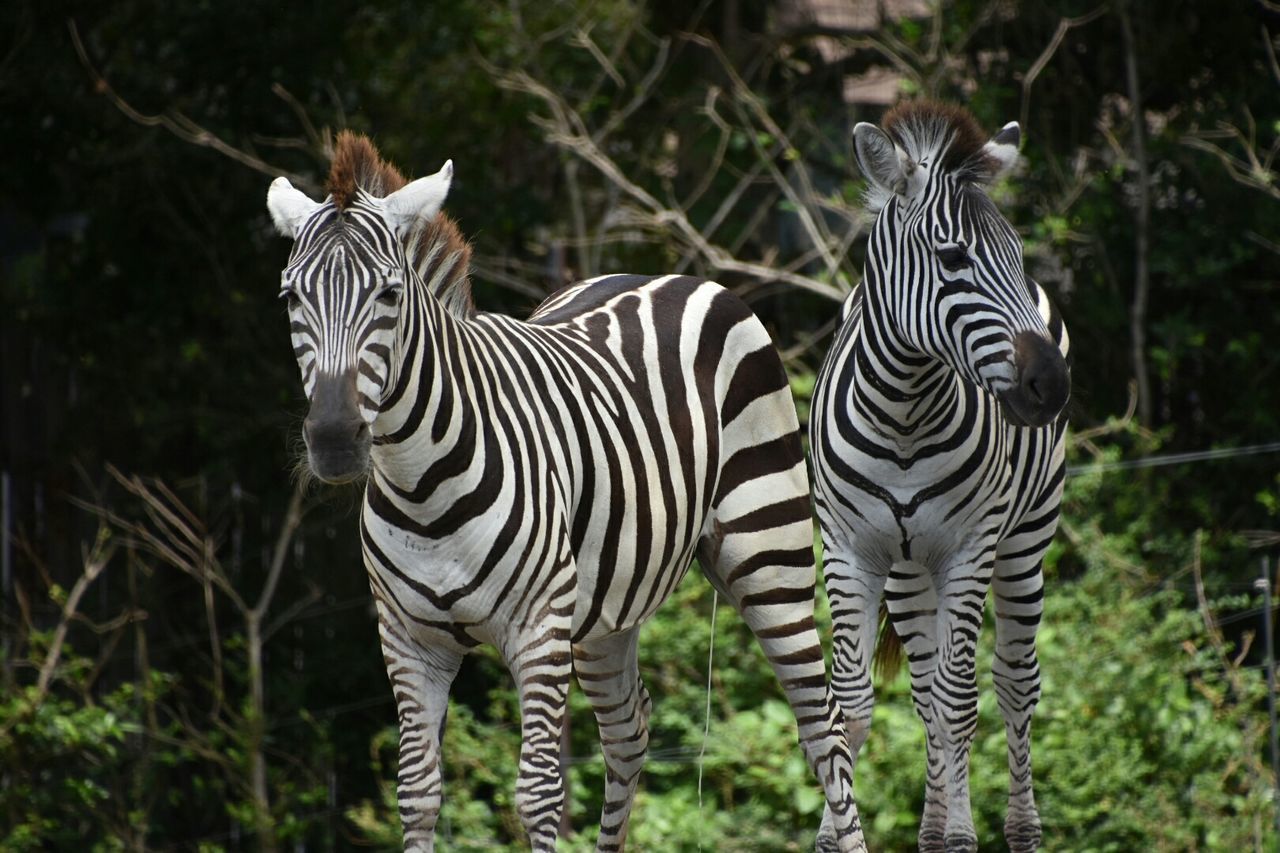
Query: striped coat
[937, 445]
[542, 486]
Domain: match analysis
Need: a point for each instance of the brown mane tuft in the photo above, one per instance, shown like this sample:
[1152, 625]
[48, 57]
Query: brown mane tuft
[443, 258]
[921, 125]
[357, 166]
[435, 247]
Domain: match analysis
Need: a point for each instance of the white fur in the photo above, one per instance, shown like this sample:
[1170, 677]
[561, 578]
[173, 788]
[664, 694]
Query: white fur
[289, 207]
[419, 200]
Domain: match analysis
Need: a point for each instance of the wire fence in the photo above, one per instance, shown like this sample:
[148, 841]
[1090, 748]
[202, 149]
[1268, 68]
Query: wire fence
[1190, 457]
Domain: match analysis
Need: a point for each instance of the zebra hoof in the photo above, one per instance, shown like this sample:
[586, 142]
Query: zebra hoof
[1023, 836]
[962, 844]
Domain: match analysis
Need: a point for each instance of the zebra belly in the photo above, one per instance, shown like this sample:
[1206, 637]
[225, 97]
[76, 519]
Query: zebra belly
[614, 595]
[434, 584]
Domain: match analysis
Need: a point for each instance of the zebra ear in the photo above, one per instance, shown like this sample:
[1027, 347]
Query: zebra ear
[1003, 148]
[421, 199]
[884, 163]
[289, 207]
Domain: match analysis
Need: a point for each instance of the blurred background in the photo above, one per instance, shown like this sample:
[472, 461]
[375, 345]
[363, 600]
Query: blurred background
[189, 654]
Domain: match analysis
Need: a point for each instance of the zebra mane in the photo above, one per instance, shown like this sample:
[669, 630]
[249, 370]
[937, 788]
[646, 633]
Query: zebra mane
[948, 135]
[437, 249]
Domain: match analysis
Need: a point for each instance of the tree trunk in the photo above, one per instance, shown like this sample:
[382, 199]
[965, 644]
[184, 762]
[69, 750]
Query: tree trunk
[1142, 221]
[255, 736]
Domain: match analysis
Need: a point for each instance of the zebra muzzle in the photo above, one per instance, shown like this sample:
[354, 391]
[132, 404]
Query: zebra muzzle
[1044, 382]
[337, 438]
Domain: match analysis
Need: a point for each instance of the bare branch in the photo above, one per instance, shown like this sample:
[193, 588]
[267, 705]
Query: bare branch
[582, 38]
[1142, 221]
[565, 128]
[717, 159]
[816, 227]
[94, 561]
[288, 527]
[1065, 25]
[1253, 170]
[644, 90]
[179, 125]
[494, 268]
[316, 141]
[291, 612]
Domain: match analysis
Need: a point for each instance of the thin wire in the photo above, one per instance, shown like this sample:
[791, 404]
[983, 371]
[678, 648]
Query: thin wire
[1174, 458]
[706, 725]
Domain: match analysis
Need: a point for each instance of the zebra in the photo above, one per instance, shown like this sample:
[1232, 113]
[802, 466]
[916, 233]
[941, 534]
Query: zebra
[542, 486]
[936, 433]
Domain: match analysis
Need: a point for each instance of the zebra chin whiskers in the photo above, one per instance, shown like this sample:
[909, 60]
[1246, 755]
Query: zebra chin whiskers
[303, 474]
[349, 493]
[300, 472]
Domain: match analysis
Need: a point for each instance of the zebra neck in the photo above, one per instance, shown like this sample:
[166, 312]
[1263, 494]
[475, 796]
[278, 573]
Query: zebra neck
[427, 415]
[902, 393]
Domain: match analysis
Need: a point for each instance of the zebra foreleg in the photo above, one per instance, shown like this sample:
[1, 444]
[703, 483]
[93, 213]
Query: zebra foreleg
[542, 668]
[1019, 593]
[420, 679]
[854, 592]
[609, 674]
[954, 690]
[855, 595]
[913, 608]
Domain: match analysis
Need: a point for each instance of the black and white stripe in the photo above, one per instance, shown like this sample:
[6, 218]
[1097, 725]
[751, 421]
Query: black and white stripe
[542, 486]
[937, 445]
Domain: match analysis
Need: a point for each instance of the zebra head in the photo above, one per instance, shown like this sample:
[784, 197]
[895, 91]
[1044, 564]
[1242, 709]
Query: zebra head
[944, 267]
[344, 284]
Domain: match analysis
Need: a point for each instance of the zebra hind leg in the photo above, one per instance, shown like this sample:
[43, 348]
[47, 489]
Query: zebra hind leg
[608, 671]
[762, 561]
[1019, 592]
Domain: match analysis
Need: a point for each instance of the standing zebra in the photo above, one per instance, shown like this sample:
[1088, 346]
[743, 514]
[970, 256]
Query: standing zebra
[938, 453]
[542, 486]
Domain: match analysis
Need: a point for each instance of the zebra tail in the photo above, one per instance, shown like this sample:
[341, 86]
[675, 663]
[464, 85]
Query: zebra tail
[887, 659]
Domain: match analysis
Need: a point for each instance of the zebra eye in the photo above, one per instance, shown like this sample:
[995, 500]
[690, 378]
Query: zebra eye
[290, 296]
[390, 294]
[954, 258]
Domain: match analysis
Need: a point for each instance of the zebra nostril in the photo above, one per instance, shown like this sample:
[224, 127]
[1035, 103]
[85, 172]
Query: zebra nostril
[1033, 390]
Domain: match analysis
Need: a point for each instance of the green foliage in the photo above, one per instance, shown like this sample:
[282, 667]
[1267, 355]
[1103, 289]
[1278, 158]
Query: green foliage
[1140, 742]
[63, 761]
[1139, 747]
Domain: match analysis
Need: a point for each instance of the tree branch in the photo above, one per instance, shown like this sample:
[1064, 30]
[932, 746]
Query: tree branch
[1142, 221]
[1065, 25]
[181, 126]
